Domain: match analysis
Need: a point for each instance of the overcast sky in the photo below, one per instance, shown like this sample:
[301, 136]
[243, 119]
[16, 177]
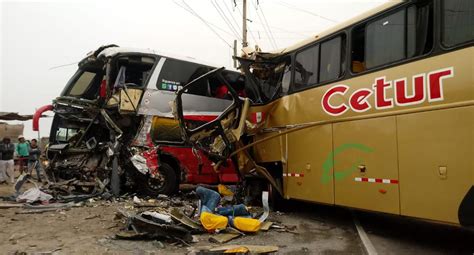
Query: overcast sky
[39, 35]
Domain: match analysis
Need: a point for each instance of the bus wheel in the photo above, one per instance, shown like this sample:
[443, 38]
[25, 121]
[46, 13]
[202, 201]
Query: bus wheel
[165, 184]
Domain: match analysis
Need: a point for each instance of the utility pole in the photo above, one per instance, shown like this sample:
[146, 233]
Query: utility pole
[244, 24]
[235, 53]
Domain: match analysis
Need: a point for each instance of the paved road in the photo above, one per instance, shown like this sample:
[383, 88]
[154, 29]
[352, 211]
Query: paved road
[399, 235]
[388, 234]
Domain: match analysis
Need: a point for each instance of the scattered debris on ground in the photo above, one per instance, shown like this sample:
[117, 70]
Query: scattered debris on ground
[182, 220]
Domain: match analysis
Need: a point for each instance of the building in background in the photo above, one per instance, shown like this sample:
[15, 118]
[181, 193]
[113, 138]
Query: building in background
[11, 130]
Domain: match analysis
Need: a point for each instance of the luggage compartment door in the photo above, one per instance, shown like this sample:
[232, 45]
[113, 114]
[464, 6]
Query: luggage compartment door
[365, 164]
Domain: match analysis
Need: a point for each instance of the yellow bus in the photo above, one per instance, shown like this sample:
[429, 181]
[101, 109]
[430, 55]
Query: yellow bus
[376, 113]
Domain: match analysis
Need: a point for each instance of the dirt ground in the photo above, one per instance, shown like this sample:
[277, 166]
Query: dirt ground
[91, 228]
[318, 229]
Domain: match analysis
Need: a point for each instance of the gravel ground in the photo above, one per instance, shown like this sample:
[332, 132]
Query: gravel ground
[90, 229]
[319, 229]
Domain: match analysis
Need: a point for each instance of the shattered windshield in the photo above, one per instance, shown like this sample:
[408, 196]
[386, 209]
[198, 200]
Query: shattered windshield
[64, 134]
[84, 84]
[132, 71]
[269, 80]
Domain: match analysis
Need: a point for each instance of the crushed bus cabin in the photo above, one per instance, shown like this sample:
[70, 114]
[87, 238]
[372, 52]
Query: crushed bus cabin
[376, 114]
[113, 124]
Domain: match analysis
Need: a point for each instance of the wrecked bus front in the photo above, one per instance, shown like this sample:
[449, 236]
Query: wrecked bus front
[102, 133]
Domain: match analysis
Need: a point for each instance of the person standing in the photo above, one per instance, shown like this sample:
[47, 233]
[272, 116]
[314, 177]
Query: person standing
[7, 164]
[23, 151]
[33, 160]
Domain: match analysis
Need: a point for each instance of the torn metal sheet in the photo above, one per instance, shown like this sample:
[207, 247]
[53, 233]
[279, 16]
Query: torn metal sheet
[154, 229]
[132, 235]
[266, 225]
[158, 217]
[185, 220]
[223, 237]
[140, 163]
[266, 207]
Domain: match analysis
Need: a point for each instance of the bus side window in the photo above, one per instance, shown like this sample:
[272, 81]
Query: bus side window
[358, 49]
[306, 67]
[176, 73]
[457, 22]
[382, 41]
[419, 29]
[285, 80]
[385, 40]
[330, 65]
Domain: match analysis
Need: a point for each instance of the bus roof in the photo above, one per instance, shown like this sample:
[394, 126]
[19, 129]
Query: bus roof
[338, 27]
[112, 51]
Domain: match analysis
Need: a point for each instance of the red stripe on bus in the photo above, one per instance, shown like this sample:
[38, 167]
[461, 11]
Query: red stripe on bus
[206, 118]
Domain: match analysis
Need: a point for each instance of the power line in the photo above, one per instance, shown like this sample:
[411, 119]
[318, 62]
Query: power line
[221, 29]
[252, 35]
[224, 18]
[190, 10]
[305, 11]
[230, 13]
[70, 64]
[266, 22]
[263, 25]
[285, 37]
[284, 30]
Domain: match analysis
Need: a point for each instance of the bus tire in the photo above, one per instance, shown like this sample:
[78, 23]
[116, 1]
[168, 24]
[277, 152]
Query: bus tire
[164, 185]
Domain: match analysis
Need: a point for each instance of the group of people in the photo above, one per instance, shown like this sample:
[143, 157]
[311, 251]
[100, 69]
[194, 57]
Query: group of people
[28, 155]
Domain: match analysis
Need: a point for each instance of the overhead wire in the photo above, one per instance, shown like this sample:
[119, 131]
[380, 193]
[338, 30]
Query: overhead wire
[194, 13]
[225, 19]
[305, 11]
[70, 64]
[266, 22]
[284, 30]
[231, 15]
[264, 27]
